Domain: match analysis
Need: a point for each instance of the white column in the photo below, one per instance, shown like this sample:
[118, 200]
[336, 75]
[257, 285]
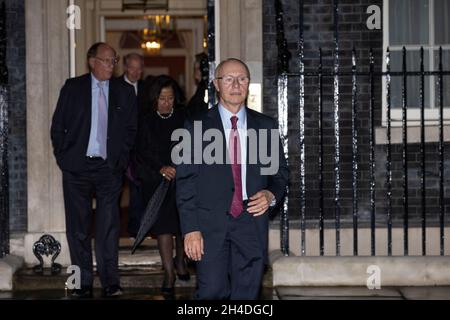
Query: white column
[240, 32]
[47, 67]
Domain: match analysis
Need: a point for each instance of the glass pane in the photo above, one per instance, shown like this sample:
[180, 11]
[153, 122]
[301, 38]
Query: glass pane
[408, 22]
[442, 22]
[445, 67]
[413, 82]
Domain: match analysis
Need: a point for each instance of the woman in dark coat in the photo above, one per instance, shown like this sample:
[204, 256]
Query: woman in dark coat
[154, 164]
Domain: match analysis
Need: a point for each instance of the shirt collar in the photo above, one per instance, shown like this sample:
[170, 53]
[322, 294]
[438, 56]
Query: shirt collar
[225, 114]
[95, 81]
[128, 80]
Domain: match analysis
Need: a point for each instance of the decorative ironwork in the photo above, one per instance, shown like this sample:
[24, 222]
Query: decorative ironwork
[47, 245]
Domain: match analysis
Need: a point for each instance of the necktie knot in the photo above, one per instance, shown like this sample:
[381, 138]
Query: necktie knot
[100, 85]
[234, 121]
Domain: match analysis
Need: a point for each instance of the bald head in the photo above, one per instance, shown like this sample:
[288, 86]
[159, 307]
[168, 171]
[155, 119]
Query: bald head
[230, 61]
[133, 64]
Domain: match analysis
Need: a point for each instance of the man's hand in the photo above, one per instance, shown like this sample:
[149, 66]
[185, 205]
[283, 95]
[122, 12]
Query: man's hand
[260, 202]
[193, 245]
[168, 172]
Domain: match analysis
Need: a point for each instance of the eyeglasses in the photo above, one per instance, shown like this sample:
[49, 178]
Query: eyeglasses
[108, 61]
[228, 80]
[166, 99]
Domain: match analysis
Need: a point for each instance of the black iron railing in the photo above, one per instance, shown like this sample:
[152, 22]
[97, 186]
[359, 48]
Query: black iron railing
[372, 77]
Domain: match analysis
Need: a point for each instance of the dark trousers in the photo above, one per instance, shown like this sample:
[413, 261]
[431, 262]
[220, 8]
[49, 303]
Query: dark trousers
[236, 272]
[135, 208]
[79, 190]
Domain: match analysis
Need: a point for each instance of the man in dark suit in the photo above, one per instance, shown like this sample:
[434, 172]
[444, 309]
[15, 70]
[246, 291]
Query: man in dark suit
[224, 206]
[133, 64]
[92, 131]
[197, 103]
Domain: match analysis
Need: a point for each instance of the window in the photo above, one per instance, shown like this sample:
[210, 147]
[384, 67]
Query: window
[412, 24]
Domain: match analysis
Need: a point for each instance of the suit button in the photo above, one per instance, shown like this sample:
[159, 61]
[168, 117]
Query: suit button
[232, 189]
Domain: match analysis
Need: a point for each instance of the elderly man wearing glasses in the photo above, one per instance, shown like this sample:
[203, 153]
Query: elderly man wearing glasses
[93, 129]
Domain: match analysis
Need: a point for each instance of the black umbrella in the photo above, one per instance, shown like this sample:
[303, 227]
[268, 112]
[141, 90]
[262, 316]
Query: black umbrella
[151, 213]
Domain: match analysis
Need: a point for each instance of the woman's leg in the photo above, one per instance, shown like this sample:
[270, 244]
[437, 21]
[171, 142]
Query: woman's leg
[165, 246]
[180, 263]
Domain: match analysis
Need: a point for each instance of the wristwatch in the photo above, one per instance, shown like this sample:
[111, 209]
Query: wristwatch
[273, 202]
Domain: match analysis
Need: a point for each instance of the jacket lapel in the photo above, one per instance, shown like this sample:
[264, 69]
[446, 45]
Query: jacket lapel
[215, 121]
[86, 105]
[111, 101]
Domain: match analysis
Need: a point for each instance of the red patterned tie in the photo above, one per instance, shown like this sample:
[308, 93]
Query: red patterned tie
[235, 155]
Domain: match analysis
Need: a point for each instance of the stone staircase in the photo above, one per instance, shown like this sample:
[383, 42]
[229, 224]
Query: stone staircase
[141, 276]
[140, 270]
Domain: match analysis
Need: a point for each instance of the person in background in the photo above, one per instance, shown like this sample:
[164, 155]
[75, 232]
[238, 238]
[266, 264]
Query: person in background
[133, 64]
[93, 129]
[154, 164]
[197, 103]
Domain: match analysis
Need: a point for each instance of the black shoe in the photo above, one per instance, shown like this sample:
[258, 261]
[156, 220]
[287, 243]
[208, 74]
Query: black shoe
[83, 293]
[112, 291]
[184, 277]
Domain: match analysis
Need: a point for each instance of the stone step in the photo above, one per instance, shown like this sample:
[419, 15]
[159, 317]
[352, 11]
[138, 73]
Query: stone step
[139, 271]
[130, 277]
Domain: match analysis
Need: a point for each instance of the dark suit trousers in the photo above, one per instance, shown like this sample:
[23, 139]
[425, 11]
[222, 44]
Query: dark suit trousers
[79, 190]
[136, 208]
[236, 272]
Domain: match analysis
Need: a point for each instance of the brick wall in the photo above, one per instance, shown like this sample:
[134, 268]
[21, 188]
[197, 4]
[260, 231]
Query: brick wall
[15, 25]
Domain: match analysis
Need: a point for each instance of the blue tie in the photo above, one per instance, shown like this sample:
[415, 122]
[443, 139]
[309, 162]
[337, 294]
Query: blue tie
[102, 122]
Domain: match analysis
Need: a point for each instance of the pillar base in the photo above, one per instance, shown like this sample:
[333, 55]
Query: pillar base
[31, 260]
[8, 266]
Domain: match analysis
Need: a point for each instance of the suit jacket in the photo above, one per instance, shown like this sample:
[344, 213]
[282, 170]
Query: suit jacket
[197, 103]
[204, 192]
[71, 124]
[131, 169]
[141, 89]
